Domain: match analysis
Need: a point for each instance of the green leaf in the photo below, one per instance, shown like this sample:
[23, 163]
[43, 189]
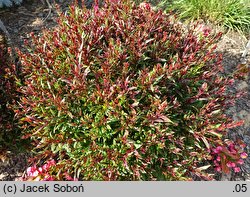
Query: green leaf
[219, 135]
[146, 58]
[149, 40]
[216, 111]
[191, 131]
[197, 144]
[203, 168]
[137, 145]
[53, 147]
[205, 142]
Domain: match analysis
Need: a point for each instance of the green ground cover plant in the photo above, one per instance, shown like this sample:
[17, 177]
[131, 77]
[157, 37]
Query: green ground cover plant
[232, 14]
[124, 92]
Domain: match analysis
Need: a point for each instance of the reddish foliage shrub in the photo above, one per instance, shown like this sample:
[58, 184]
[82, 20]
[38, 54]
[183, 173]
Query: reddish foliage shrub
[125, 93]
[7, 98]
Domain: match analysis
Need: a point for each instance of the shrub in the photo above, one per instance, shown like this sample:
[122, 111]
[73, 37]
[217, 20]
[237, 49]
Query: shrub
[125, 93]
[7, 97]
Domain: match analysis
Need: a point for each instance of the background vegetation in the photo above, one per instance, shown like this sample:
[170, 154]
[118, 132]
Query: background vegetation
[231, 14]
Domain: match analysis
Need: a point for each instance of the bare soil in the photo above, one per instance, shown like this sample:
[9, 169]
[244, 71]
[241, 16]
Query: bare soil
[33, 16]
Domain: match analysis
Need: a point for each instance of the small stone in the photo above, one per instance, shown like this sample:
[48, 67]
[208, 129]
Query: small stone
[40, 14]
[243, 85]
[245, 115]
[37, 22]
[15, 30]
[226, 177]
[2, 176]
[21, 23]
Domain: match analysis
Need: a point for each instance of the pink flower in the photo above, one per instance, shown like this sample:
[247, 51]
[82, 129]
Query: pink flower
[243, 155]
[45, 167]
[217, 149]
[236, 169]
[218, 169]
[51, 162]
[218, 158]
[96, 8]
[231, 148]
[32, 171]
[34, 174]
[40, 170]
[231, 164]
[240, 161]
